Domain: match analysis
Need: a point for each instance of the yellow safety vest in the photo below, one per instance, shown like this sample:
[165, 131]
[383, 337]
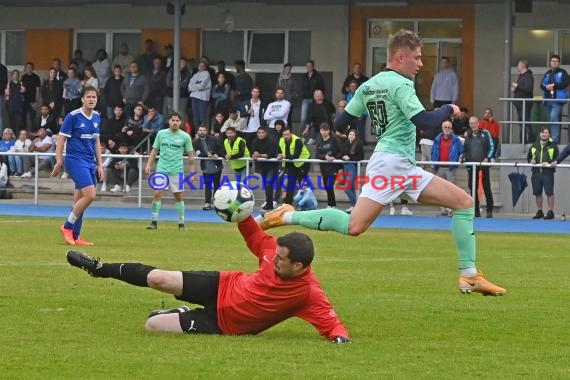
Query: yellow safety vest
[305, 154]
[233, 150]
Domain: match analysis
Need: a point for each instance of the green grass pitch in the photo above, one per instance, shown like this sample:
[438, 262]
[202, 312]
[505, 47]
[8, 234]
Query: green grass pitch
[395, 291]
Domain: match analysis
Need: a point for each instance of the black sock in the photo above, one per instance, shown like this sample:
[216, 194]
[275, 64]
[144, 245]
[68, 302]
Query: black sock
[131, 273]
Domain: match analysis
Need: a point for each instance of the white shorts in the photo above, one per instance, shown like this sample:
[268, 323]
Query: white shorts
[389, 176]
[174, 184]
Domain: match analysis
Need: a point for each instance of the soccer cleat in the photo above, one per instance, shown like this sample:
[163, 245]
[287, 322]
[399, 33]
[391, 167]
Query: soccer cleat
[82, 261]
[67, 235]
[153, 225]
[81, 241]
[272, 219]
[177, 310]
[181, 227]
[479, 284]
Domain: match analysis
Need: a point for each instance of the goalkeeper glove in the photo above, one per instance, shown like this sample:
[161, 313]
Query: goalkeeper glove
[340, 340]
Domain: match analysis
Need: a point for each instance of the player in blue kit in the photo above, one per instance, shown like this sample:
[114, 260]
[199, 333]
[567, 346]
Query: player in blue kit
[80, 130]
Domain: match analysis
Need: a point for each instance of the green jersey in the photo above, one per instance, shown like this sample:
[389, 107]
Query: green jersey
[391, 101]
[172, 146]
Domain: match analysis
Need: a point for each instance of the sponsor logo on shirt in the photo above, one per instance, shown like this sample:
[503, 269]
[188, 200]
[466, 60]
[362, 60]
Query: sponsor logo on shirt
[86, 136]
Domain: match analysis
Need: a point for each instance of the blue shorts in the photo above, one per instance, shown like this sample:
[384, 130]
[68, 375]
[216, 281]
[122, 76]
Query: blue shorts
[82, 173]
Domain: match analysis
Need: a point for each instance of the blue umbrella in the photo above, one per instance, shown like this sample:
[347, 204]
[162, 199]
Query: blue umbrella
[518, 184]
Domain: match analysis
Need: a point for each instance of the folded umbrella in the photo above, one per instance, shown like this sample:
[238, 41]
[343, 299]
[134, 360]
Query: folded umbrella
[518, 184]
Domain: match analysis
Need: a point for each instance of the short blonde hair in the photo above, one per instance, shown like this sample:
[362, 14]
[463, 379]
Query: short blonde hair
[403, 39]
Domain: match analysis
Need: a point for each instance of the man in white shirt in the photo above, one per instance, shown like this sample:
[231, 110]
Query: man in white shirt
[44, 144]
[278, 110]
[445, 85]
[254, 116]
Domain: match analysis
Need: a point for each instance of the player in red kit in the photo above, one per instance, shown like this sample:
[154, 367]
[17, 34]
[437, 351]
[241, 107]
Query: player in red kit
[235, 302]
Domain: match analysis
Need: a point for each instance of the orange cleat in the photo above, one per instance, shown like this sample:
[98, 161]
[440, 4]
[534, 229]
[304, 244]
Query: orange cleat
[67, 235]
[274, 218]
[81, 241]
[479, 284]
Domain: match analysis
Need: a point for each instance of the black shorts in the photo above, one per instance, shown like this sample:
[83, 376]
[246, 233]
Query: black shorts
[201, 288]
[542, 181]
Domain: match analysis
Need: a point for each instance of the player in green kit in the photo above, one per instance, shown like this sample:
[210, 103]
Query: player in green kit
[396, 112]
[171, 143]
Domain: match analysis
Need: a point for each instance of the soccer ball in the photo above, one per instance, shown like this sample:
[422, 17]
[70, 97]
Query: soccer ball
[233, 201]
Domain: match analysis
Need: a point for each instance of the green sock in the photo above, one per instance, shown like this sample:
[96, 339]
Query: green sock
[327, 219]
[180, 211]
[462, 231]
[155, 210]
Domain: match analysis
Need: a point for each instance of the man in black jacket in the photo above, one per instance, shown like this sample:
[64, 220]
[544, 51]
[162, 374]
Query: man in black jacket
[479, 147]
[523, 88]
[209, 146]
[265, 146]
[3, 84]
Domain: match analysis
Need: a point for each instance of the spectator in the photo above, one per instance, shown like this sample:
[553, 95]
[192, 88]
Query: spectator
[90, 78]
[102, 68]
[265, 146]
[33, 84]
[244, 84]
[3, 174]
[145, 60]
[478, 147]
[112, 91]
[360, 122]
[120, 167]
[42, 144]
[131, 133]
[134, 89]
[20, 164]
[221, 95]
[157, 85]
[277, 110]
[312, 81]
[15, 101]
[236, 148]
[490, 124]
[46, 120]
[168, 58]
[523, 88]
[200, 86]
[292, 148]
[71, 92]
[217, 124]
[60, 74]
[328, 148]
[3, 85]
[554, 85]
[153, 122]
[447, 147]
[112, 128]
[80, 63]
[185, 74]
[543, 152]
[107, 148]
[305, 199]
[353, 151]
[286, 82]
[8, 140]
[207, 146]
[445, 85]
[355, 76]
[234, 121]
[123, 59]
[253, 112]
[320, 111]
[230, 79]
[52, 93]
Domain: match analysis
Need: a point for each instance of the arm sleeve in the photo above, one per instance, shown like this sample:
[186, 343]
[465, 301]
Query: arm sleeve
[298, 149]
[146, 89]
[562, 155]
[283, 111]
[256, 239]
[241, 150]
[432, 120]
[67, 126]
[320, 313]
[343, 121]
[491, 145]
[564, 83]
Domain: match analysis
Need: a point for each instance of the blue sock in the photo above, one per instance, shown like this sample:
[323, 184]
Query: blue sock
[77, 227]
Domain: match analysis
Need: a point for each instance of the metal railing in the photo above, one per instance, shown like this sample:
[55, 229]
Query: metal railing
[472, 165]
[528, 123]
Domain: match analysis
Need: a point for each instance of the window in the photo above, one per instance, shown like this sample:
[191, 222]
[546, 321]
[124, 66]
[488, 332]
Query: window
[439, 29]
[222, 46]
[535, 46]
[89, 41]
[12, 45]
[266, 48]
[384, 28]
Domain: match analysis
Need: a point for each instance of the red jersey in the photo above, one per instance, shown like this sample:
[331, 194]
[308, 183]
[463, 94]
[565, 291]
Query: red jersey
[249, 303]
[492, 126]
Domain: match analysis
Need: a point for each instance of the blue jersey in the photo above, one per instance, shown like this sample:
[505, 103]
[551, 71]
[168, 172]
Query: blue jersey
[81, 133]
